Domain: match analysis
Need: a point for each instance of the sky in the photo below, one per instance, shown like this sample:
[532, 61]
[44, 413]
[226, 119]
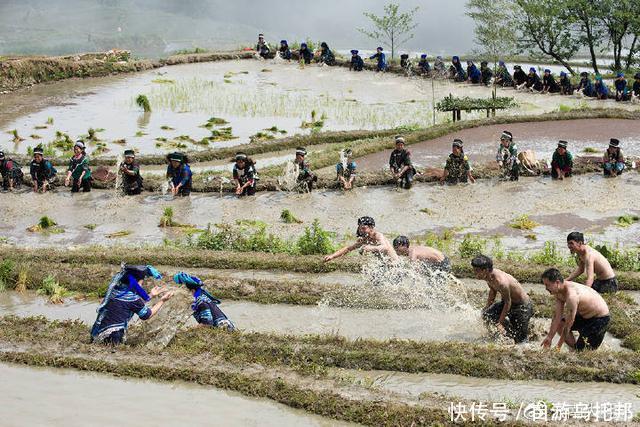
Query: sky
[66, 26]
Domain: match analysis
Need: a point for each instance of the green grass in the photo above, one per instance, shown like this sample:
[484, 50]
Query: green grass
[523, 222]
[288, 218]
[52, 290]
[627, 220]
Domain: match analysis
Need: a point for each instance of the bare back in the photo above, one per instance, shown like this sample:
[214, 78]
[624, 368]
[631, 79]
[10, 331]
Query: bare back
[590, 302]
[425, 253]
[502, 283]
[601, 266]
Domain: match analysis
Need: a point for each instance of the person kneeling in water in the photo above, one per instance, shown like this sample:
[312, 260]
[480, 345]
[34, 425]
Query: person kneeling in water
[431, 258]
[369, 240]
[578, 308]
[205, 306]
[512, 314]
[126, 296]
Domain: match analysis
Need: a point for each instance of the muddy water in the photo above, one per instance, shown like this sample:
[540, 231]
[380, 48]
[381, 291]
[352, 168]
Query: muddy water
[481, 144]
[441, 324]
[299, 320]
[486, 389]
[588, 202]
[283, 96]
[61, 397]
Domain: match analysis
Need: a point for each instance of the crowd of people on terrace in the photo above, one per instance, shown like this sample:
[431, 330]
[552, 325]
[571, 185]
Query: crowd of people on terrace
[622, 89]
[457, 168]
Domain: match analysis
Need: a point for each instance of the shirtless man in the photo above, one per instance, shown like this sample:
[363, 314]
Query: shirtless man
[369, 240]
[600, 275]
[578, 308]
[514, 305]
[431, 258]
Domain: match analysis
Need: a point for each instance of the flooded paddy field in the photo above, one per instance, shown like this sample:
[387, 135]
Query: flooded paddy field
[350, 334]
[544, 201]
[282, 96]
[53, 390]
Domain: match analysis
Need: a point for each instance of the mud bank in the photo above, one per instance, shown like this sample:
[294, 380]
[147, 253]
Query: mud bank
[24, 389]
[20, 72]
[307, 352]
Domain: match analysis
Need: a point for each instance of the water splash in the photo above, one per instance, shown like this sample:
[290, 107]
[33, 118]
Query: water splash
[403, 285]
[165, 188]
[119, 161]
[289, 180]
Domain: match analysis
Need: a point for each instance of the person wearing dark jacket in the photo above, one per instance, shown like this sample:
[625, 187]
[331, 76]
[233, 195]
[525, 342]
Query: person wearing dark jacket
[125, 297]
[622, 93]
[635, 91]
[245, 175]
[519, 77]
[11, 173]
[561, 162]
[306, 178]
[326, 55]
[602, 91]
[423, 65]
[400, 164]
[503, 77]
[79, 173]
[205, 306]
[585, 86]
[130, 171]
[381, 59]
[179, 174]
[566, 87]
[613, 159]
[284, 51]
[474, 75]
[549, 84]
[357, 64]
[457, 73]
[486, 72]
[262, 48]
[43, 174]
[305, 53]
[533, 81]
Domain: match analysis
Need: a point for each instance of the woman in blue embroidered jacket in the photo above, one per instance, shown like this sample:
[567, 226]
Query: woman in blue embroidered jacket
[124, 298]
[205, 306]
[179, 174]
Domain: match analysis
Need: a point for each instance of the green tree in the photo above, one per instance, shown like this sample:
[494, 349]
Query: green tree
[494, 30]
[545, 27]
[585, 17]
[621, 20]
[392, 29]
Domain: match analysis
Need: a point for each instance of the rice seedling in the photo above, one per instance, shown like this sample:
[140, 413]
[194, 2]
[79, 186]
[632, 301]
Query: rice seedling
[52, 290]
[90, 226]
[143, 102]
[50, 121]
[166, 220]
[627, 220]
[21, 281]
[288, 218]
[523, 223]
[16, 137]
[116, 234]
[590, 150]
[140, 134]
[261, 136]
[40, 127]
[427, 211]
[165, 127]
[163, 81]
[35, 136]
[46, 225]
[120, 141]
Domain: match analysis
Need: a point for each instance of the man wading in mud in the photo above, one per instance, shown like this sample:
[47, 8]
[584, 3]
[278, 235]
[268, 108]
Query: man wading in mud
[369, 240]
[578, 308]
[431, 258]
[512, 314]
[600, 275]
